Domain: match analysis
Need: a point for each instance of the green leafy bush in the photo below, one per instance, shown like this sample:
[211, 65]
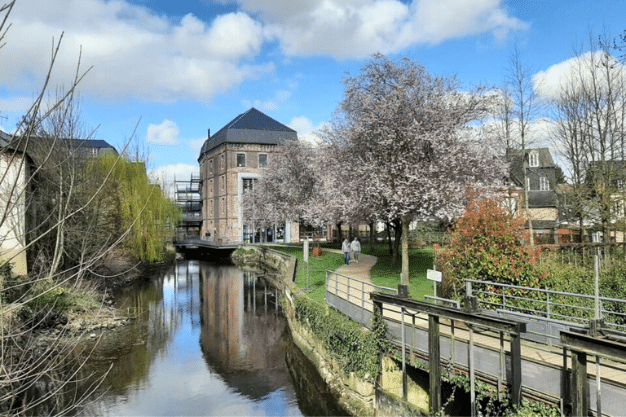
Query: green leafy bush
[355, 347]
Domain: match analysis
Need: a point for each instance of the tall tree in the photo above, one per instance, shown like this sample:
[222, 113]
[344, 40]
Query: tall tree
[522, 110]
[410, 138]
[591, 132]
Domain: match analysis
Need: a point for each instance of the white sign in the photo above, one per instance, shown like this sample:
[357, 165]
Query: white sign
[433, 275]
[306, 249]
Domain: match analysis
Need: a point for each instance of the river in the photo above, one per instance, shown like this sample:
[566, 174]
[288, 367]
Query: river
[209, 340]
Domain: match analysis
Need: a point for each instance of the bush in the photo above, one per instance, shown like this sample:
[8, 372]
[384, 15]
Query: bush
[355, 347]
[487, 244]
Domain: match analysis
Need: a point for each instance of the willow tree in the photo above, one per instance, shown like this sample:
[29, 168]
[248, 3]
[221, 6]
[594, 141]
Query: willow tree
[131, 208]
[409, 134]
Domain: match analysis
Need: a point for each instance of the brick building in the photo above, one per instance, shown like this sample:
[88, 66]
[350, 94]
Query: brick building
[231, 161]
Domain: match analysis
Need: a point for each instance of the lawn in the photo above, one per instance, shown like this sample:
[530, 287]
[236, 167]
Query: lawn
[316, 288]
[382, 274]
[419, 261]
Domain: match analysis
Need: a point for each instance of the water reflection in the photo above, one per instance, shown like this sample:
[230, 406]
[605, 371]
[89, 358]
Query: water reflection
[209, 341]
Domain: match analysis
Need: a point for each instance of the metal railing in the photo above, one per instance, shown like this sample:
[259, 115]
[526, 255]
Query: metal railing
[353, 290]
[550, 304]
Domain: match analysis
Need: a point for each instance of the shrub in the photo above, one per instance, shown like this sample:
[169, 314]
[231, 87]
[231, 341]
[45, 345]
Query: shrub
[355, 347]
[487, 244]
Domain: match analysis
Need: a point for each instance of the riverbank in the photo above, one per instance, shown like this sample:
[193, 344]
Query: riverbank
[351, 369]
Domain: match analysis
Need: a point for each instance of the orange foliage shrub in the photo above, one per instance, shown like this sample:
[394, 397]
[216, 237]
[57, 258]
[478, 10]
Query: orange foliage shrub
[487, 244]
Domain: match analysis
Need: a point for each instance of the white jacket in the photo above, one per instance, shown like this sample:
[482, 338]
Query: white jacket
[356, 246]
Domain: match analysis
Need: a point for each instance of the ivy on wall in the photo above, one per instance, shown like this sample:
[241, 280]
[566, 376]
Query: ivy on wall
[355, 347]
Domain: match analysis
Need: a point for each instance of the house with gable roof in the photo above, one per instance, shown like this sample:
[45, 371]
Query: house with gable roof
[541, 185]
[231, 161]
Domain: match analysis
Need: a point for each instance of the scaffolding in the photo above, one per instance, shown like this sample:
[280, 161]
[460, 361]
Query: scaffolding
[189, 200]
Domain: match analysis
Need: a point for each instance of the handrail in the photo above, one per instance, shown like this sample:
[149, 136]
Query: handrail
[553, 309]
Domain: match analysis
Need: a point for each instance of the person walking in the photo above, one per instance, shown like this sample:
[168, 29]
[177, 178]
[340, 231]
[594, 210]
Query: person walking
[345, 247]
[356, 249]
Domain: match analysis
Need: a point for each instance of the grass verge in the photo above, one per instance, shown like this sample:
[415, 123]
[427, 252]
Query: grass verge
[316, 286]
[382, 274]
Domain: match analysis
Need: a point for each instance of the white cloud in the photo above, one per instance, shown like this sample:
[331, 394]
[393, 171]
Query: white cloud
[196, 144]
[132, 51]
[164, 134]
[136, 52]
[165, 175]
[576, 72]
[306, 130]
[367, 26]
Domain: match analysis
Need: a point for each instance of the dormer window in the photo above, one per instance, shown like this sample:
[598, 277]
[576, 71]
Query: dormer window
[533, 159]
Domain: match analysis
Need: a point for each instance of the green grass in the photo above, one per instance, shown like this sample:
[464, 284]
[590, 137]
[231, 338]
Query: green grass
[419, 261]
[382, 274]
[317, 270]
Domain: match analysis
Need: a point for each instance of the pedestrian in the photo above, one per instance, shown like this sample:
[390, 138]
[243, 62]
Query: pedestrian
[345, 247]
[356, 249]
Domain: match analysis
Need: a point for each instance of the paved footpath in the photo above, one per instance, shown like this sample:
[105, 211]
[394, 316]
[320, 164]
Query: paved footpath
[358, 270]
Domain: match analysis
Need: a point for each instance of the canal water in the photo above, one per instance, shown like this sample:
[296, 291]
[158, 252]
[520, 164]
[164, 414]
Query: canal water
[208, 340]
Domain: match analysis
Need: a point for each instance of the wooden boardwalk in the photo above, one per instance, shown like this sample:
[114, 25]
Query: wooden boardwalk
[546, 371]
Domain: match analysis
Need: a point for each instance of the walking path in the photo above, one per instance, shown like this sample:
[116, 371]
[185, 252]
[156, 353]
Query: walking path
[360, 270]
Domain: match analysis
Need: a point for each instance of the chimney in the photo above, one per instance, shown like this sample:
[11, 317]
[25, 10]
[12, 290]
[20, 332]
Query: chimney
[209, 137]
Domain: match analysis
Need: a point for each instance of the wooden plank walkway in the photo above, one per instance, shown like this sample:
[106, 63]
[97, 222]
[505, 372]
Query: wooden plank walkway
[542, 365]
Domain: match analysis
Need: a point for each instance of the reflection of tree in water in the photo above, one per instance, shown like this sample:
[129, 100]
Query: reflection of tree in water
[241, 335]
[160, 305]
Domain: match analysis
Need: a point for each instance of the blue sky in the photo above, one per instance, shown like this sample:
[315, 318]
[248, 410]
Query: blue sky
[177, 68]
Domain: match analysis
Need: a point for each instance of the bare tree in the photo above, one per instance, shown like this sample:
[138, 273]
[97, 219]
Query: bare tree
[56, 213]
[591, 132]
[520, 110]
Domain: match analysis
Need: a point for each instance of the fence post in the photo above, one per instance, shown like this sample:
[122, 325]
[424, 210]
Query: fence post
[516, 369]
[548, 306]
[434, 387]
[580, 388]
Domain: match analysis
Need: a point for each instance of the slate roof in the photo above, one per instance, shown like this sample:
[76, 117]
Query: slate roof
[252, 126]
[514, 156]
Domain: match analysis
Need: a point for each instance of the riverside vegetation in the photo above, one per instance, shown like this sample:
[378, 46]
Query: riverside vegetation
[86, 222]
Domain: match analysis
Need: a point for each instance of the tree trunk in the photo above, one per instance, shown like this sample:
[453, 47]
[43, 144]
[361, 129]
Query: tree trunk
[339, 234]
[404, 278]
[388, 229]
[372, 225]
[397, 228]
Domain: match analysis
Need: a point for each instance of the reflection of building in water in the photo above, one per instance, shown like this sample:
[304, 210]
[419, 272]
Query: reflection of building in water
[241, 335]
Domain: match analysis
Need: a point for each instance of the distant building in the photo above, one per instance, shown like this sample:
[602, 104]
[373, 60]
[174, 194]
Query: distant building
[18, 194]
[231, 161]
[16, 167]
[541, 185]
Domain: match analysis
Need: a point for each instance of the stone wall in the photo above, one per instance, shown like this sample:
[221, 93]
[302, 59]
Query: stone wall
[355, 395]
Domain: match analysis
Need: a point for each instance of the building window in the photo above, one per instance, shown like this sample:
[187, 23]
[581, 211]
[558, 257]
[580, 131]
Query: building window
[241, 160]
[221, 162]
[222, 206]
[533, 159]
[248, 184]
[510, 203]
[618, 208]
[210, 166]
[544, 184]
[262, 160]
[222, 184]
[620, 185]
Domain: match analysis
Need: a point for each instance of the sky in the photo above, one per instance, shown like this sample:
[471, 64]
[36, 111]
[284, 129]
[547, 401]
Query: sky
[165, 72]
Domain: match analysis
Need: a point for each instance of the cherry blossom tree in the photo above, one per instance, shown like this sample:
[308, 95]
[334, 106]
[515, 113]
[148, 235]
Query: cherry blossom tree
[413, 144]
